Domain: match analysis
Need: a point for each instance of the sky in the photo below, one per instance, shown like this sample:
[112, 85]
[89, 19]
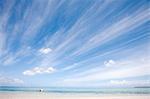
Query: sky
[74, 43]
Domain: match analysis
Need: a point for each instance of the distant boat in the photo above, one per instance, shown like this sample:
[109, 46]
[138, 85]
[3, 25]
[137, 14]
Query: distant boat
[41, 90]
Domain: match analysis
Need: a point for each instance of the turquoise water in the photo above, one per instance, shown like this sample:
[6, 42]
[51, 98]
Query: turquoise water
[78, 90]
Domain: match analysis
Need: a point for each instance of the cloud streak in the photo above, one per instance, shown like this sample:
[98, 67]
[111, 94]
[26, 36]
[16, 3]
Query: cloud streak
[8, 80]
[126, 24]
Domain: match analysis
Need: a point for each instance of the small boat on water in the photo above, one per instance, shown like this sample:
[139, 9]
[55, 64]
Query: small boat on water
[41, 90]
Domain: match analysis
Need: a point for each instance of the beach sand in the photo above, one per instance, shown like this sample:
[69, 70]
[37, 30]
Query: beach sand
[67, 96]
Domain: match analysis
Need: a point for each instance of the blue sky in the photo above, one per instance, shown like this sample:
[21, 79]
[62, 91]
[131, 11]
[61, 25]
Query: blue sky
[75, 43]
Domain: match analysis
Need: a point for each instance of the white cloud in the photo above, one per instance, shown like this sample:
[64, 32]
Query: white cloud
[130, 82]
[109, 63]
[45, 50]
[118, 82]
[39, 70]
[7, 80]
[134, 68]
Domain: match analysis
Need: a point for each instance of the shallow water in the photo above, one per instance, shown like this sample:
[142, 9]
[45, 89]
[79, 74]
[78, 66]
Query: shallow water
[77, 90]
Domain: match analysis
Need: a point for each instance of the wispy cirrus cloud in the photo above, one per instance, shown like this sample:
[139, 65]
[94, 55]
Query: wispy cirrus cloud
[103, 35]
[7, 80]
[82, 39]
[2, 42]
[10, 58]
[115, 30]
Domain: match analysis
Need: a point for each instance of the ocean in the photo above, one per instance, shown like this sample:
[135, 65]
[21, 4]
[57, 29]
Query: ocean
[77, 90]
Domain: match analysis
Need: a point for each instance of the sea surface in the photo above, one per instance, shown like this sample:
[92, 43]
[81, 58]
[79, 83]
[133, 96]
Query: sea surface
[77, 90]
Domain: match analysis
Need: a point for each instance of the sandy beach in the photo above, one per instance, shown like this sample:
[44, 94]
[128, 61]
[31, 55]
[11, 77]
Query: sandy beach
[68, 96]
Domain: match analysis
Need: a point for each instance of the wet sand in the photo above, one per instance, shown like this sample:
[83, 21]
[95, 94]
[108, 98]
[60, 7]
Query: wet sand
[68, 96]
